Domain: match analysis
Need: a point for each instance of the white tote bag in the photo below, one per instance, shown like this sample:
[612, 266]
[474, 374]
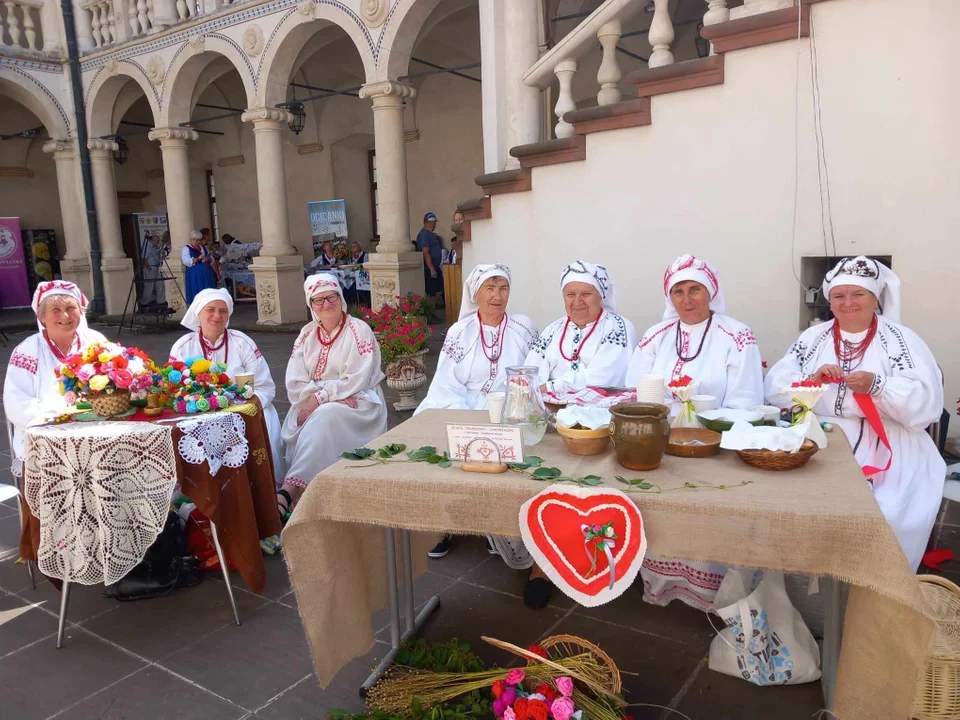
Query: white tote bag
[776, 648]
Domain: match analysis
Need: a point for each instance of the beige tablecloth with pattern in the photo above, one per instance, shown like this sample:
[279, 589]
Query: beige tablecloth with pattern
[819, 520]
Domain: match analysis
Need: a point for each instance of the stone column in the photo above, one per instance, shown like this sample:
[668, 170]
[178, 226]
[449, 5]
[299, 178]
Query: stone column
[521, 51]
[279, 267]
[176, 185]
[491, 67]
[116, 266]
[396, 268]
[75, 265]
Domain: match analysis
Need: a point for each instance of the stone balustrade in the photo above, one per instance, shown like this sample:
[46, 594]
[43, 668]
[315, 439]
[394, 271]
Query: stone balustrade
[30, 27]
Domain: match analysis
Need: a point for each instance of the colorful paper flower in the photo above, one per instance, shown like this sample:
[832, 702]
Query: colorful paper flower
[562, 708]
[99, 382]
[499, 707]
[498, 688]
[509, 714]
[192, 407]
[122, 378]
[515, 676]
[564, 685]
[538, 710]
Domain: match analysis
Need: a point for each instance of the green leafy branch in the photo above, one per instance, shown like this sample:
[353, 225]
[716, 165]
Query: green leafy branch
[532, 467]
[389, 453]
[642, 486]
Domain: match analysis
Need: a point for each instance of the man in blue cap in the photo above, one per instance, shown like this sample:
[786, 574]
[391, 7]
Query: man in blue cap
[428, 242]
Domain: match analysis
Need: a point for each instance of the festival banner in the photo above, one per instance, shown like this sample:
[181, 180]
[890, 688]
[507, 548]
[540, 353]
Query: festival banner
[14, 283]
[328, 220]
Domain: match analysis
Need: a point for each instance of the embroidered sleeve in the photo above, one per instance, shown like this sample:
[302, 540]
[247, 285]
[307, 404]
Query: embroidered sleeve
[742, 338]
[618, 335]
[24, 362]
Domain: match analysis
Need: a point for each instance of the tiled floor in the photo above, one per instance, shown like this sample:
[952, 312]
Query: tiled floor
[182, 658]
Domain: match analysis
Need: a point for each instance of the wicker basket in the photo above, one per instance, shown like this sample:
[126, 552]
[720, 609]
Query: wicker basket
[779, 459]
[938, 693]
[108, 405]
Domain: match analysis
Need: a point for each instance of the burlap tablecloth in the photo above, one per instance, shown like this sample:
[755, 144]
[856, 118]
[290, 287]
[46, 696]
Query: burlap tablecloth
[241, 501]
[819, 520]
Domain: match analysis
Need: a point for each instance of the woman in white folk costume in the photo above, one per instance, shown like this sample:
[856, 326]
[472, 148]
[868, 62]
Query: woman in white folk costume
[591, 344]
[865, 351]
[209, 317]
[698, 339]
[31, 391]
[333, 383]
[479, 347]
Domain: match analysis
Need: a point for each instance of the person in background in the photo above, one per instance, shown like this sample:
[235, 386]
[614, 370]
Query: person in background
[327, 258]
[166, 244]
[453, 258]
[357, 255]
[154, 290]
[196, 259]
[428, 242]
[208, 242]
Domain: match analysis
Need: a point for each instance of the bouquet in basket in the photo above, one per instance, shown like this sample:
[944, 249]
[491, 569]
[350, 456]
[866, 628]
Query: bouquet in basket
[105, 369]
[198, 385]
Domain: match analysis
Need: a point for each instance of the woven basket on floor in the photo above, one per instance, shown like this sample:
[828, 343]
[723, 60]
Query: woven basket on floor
[779, 459]
[938, 694]
[109, 405]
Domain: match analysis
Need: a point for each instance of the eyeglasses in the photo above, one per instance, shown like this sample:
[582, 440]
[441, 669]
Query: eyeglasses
[320, 302]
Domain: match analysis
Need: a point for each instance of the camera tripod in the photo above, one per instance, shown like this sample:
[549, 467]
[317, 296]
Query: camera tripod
[161, 312]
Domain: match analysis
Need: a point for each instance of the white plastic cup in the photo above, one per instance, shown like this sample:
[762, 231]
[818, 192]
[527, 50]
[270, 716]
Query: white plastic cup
[495, 406]
[702, 403]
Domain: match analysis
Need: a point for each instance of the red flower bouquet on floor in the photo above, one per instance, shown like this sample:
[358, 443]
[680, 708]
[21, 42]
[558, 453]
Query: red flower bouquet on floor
[546, 700]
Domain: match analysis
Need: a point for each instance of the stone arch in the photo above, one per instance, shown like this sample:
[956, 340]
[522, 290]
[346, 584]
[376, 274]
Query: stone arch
[105, 90]
[29, 92]
[399, 36]
[292, 34]
[187, 67]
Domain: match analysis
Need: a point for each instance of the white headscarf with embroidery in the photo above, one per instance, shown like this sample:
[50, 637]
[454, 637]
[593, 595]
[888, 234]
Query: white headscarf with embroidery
[319, 284]
[871, 275]
[59, 287]
[595, 275]
[471, 286]
[689, 267]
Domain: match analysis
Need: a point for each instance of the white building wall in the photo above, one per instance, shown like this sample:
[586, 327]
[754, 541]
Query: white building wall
[714, 175]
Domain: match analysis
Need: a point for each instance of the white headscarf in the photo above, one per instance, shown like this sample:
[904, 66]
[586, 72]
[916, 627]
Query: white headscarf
[688, 267]
[476, 278]
[191, 318]
[595, 275]
[322, 283]
[59, 287]
[871, 275]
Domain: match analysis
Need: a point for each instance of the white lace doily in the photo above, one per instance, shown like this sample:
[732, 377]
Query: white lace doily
[217, 439]
[101, 492]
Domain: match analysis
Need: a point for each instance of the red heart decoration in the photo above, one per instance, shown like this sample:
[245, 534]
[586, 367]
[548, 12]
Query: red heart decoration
[550, 524]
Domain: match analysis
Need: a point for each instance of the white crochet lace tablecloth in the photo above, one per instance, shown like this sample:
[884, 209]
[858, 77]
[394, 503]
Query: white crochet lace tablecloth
[101, 492]
[218, 439]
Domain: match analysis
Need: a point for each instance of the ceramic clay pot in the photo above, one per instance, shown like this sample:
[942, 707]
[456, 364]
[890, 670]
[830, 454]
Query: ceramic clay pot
[640, 432]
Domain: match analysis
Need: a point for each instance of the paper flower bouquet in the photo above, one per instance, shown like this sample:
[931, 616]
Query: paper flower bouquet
[198, 385]
[683, 388]
[106, 374]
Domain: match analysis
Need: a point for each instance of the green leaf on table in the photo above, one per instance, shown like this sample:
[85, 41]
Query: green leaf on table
[518, 466]
[436, 459]
[389, 451]
[422, 453]
[546, 473]
[641, 485]
[358, 454]
[445, 463]
[534, 461]
[591, 480]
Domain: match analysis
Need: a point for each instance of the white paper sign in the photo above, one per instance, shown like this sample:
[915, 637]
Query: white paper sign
[489, 440]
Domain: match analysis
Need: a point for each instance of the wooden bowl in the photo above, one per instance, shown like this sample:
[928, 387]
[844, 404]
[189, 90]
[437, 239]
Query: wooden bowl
[153, 411]
[679, 444]
[584, 442]
[779, 460]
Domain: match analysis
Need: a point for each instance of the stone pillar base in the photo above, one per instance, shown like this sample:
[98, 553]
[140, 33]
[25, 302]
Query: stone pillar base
[279, 289]
[117, 276]
[78, 271]
[393, 274]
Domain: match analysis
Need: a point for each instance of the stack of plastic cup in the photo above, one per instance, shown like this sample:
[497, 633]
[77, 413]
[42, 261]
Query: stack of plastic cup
[650, 389]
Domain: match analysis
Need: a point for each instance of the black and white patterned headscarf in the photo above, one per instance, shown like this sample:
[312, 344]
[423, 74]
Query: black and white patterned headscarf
[595, 275]
[873, 276]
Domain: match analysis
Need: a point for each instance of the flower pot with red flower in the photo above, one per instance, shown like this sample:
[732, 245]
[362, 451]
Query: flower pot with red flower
[403, 345]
